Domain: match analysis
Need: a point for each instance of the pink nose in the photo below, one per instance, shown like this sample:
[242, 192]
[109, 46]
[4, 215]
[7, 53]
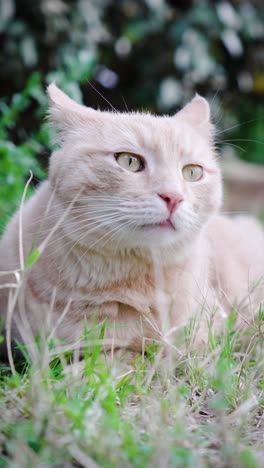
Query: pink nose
[171, 200]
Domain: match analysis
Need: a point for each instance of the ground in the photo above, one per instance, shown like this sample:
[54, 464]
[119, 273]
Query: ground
[197, 409]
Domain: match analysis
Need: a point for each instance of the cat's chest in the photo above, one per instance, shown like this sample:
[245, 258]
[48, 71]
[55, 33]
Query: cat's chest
[97, 274]
[94, 280]
[144, 288]
[135, 291]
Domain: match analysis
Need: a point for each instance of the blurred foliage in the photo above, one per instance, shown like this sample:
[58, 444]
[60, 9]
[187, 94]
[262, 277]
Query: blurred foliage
[150, 54]
[17, 158]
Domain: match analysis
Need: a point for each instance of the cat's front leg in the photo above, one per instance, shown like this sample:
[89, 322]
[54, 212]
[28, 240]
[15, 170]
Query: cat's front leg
[189, 322]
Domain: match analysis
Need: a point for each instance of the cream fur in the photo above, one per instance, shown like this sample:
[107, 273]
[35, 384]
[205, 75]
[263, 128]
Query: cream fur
[103, 261]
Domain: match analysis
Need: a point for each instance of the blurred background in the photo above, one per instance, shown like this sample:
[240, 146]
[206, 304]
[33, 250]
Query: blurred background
[130, 54]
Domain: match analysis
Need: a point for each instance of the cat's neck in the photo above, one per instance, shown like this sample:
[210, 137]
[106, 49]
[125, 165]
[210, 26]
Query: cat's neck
[113, 263]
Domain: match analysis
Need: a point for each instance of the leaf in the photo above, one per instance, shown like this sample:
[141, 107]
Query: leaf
[32, 258]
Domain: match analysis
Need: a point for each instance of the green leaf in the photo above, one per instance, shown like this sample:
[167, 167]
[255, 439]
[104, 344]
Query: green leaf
[32, 258]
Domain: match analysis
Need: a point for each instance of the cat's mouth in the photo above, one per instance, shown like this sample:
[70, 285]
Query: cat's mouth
[163, 224]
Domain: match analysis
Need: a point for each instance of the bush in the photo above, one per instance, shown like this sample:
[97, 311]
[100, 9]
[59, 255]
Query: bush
[138, 54]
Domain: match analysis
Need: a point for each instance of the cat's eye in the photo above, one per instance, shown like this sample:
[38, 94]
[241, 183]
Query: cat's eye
[129, 161]
[192, 172]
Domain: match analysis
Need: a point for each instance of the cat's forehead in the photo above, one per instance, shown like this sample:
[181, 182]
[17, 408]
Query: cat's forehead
[190, 128]
[152, 133]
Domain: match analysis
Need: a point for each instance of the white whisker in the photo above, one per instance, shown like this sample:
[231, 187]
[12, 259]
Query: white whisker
[116, 217]
[236, 126]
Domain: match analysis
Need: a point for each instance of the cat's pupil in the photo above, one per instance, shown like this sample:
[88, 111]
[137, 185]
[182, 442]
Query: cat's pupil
[130, 161]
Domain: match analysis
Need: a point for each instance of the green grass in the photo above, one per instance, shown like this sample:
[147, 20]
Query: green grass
[203, 409]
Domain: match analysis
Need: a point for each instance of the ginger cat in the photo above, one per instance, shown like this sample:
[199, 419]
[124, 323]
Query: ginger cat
[139, 241]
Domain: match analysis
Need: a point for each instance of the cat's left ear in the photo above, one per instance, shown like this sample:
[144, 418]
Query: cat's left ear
[66, 115]
[197, 114]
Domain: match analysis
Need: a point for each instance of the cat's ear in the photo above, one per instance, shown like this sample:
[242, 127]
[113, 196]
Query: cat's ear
[65, 114]
[197, 113]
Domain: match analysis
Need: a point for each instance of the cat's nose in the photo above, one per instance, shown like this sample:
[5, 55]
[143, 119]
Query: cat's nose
[171, 200]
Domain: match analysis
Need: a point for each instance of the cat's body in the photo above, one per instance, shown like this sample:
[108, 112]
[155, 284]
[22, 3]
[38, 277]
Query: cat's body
[144, 249]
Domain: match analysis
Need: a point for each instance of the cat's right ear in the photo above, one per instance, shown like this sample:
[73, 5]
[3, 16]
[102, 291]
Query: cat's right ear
[197, 114]
[66, 115]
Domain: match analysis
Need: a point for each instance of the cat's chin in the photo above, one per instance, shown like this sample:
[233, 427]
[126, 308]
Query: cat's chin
[157, 237]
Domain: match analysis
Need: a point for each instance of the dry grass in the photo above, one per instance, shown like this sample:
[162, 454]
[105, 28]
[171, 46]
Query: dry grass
[199, 410]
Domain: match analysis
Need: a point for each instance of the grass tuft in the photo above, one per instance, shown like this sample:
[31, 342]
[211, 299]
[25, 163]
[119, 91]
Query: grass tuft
[196, 409]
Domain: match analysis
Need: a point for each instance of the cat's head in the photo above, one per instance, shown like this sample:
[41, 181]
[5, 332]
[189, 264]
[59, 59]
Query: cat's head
[145, 180]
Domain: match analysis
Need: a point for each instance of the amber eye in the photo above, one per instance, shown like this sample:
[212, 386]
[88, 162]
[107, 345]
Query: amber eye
[192, 172]
[129, 161]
